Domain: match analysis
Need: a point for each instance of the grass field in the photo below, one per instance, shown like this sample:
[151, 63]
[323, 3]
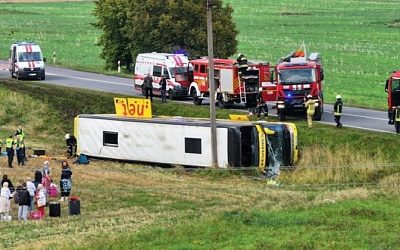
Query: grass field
[347, 197]
[357, 39]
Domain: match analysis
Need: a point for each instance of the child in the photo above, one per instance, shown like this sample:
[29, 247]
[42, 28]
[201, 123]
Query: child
[5, 195]
[30, 186]
[65, 181]
[41, 199]
[46, 168]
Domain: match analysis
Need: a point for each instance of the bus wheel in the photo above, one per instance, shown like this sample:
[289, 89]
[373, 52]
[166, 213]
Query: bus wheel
[171, 94]
[196, 99]
[397, 126]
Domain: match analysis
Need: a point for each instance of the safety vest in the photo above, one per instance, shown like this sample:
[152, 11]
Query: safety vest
[21, 133]
[338, 109]
[310, 105]
[19, 144]
[9, 143]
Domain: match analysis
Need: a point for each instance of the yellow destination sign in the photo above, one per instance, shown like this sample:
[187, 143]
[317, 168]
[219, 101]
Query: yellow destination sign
[133, 107]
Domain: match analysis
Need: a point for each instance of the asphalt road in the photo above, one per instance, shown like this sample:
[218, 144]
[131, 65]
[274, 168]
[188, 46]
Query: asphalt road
[359, 118]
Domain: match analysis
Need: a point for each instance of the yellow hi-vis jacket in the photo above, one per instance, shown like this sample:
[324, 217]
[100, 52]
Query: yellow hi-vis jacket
[9, 142]
[310, 106]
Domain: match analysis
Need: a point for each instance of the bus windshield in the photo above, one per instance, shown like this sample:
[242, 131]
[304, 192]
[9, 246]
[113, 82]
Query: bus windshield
[29, 56]
[296, 76]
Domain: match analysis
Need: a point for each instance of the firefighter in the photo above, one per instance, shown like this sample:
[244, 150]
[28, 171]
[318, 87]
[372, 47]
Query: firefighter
[10, 150]
[71, 142]
[242, 64]
[19, 148]
[261, 105]
[148, 85]
[20, 132]
[163, 87]
[310, 106]
[337, 111]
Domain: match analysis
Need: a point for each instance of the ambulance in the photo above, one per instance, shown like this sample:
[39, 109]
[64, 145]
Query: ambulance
[174, 67]
[26, 61]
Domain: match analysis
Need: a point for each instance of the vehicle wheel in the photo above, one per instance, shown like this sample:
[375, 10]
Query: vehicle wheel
[222, 104]
[318, 114]
[397, 127]
[281, 115]
[171, 94]
[143, 90]
[196, 99]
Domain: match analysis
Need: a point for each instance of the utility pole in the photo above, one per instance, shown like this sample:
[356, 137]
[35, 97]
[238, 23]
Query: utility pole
[211, 82]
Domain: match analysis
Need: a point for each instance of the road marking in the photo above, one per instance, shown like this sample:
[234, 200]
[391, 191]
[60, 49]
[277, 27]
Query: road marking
[367, 117]
[89, 79]
[369, 129]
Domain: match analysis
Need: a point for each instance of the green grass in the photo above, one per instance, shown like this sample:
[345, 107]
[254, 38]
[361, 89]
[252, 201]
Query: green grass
[357, 39]
[131, 206]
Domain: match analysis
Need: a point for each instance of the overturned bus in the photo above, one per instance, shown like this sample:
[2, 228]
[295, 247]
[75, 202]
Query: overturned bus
[184, 141]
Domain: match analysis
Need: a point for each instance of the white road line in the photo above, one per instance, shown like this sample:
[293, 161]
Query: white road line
[367, 117]
[93, 80]
[369, 129]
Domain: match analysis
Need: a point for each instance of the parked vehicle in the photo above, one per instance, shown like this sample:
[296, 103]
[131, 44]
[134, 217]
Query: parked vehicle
[231, 87]
[393, 89]
[26, 61]
[174, 67]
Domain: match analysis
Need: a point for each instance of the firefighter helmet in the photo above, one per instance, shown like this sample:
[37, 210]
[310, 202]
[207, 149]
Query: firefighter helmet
[67, 136]
[338, 97]
[309, 96]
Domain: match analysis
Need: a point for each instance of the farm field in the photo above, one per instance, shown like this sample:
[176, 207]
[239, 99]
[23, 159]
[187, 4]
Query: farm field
[347, 197]
[356, 38]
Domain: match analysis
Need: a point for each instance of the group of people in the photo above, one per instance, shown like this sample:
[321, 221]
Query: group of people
[337, 110]
[148, 87]
[15, 144]
[34, 193]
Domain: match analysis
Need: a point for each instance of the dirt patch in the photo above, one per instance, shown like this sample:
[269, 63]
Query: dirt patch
[394, 24]
[292, 13]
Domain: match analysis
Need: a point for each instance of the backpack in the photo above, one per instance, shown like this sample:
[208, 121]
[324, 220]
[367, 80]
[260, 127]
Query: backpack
[66, 185]
[83, 159]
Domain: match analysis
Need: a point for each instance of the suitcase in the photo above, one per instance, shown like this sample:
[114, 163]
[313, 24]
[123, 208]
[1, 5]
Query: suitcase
[55, 209]
[74, 207]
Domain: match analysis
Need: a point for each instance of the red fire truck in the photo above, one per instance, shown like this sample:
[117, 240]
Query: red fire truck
[231, 87]
[296, 77]
[393, 89]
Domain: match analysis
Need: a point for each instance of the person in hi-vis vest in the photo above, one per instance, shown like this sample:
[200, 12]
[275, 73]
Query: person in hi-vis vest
[10, 142]
[310, 106]
[337, 111]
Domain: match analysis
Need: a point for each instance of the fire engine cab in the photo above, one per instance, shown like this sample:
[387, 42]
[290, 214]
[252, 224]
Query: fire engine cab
[26, 61]
[296, 77]
[231, 86]
[174, 67]
[393, 89]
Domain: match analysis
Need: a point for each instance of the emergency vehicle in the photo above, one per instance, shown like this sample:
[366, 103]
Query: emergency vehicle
[26, 61]
[230, 86]
[393, 89]
[185, 141]
[174, 67]
[297, 76]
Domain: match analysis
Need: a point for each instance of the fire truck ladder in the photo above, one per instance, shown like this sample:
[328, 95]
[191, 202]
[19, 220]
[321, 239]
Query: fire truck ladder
[242, 90]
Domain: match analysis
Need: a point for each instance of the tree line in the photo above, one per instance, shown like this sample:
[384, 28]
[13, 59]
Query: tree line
[130, 27]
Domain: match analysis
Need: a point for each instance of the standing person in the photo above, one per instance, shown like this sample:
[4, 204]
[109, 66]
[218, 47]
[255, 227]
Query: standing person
[242, 64]
[71, 142]
[10, 144]
[19, 148]
[65, 181]
[163, 83]
[31, 189]
[148, 84]
[20, 132]
[337, 111]
[41, 199]
[310, 106]
[24, 201]
[46, 168]
[10, 185]
[261, 104]
[5, 195]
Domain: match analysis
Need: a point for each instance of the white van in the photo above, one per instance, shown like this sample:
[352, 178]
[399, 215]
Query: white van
[175, 67]
[26, 61]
